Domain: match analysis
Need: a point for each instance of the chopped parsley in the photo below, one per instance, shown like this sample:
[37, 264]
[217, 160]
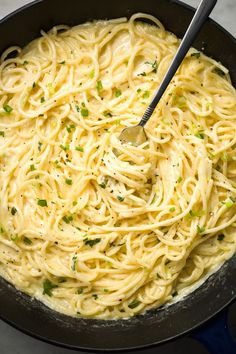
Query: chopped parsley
[69, 181]
[200, 135]
[153, 65]
[179, 101]
[118, 92]
[91, 243]
[172, 209]
[146, 94]
[219, 72]
[175, 293]
[95, 296]
[13, 211]
[121, 199]
[74, 262]
[134, 304]
[48, 286]
[196, 55]
[99, 86]
[2, 230]
[103, 184]
[200, 229]
[229, 202]
[91, 74]
[180, 179]
[8, 109]
[42, 203]
[139, 90]
[70, 127]
[84, 112]
[15, 238]
[65, 147]
[142, 74]
[196, 213]
[74, 203]
[42, 99]
[79, 148]
[2, 134]
[220, 237]
[107, 114]
[27, 241]
[25, 62]
[34, 85]
[32, 168]
[80, 291]
[62, 62]
[40, 146]
[67, 219]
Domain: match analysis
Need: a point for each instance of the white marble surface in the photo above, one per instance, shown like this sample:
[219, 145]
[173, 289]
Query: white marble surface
[15, 342]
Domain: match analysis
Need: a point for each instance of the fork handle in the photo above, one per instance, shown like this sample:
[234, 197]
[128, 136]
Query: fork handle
[203, 11]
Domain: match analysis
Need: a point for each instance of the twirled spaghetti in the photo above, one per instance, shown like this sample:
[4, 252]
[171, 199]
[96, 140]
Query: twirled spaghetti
[88, 225]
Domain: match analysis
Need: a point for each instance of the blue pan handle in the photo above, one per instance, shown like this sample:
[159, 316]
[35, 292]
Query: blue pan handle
[216, 336]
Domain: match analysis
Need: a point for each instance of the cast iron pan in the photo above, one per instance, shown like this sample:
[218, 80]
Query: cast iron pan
[156, 326]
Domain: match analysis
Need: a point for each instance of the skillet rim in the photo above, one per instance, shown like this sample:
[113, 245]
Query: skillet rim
[139, 347]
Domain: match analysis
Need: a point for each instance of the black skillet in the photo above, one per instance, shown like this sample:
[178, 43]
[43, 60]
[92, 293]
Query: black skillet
[156, 326]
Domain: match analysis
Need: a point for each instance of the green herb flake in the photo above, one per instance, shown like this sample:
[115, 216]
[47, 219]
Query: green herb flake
[48, 286]
[67, 219]
[139, 90]
[80, 291]
[84, 112]
[39, 146]
[107, 114]
[74, 203]
[91, 243]
[153, 65]
[74, 262]
[13, 211]
[99, 86]
[69, 181]
[196, 55]
[142, 74]
[42, 203]
[103, 184]
[8, 109]
[91, 74]
[219, 72]
[196, 213]
[134, 304]
[180, 179]
[62, 62]
[27, 241]
[121, 199]
[118, 92]
[175, 293]
[2, 230]
[25, 62]
[220, 237]
[42, 99]
[15, 238]
[146, 94]
[2, 134]
[95, 296]
[179, 101]
[65, 147]
[200, 135]
[79, 148]
[229, 202]
[32, 168]
[200, 229]
[172, 209]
